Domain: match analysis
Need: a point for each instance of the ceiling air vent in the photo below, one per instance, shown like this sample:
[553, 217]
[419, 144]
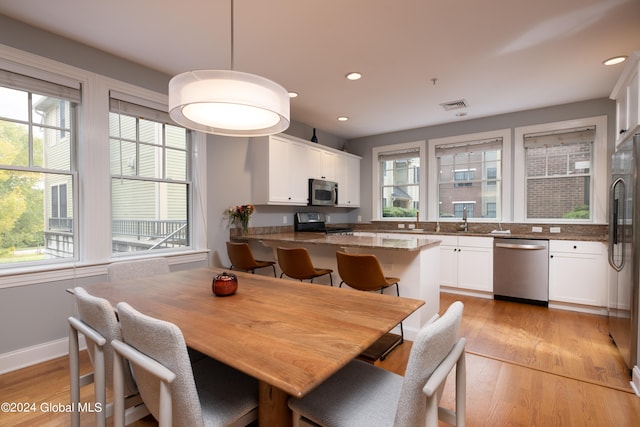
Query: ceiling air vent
[454, 105]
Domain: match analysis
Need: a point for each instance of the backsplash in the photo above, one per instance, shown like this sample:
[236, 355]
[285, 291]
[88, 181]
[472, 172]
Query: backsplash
[597, 232]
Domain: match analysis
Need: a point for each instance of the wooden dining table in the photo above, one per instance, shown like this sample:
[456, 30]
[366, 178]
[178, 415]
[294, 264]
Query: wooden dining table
[289, 335]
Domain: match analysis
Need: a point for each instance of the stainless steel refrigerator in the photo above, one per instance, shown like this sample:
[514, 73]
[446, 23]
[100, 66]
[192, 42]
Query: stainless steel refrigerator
[624, 253]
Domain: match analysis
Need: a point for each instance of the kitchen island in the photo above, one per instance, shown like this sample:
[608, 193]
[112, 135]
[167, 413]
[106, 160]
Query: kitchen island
[414, 259]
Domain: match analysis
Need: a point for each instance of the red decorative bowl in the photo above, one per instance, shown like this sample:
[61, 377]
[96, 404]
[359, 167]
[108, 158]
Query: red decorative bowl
[224, 284]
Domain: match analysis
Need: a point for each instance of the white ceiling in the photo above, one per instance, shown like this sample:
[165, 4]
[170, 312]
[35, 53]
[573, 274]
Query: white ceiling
[498, 55]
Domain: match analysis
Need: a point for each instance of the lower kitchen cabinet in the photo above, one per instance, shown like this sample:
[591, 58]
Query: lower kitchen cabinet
[578, 272]
[466, 262]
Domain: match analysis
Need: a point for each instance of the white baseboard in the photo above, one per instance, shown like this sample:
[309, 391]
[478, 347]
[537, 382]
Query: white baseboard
[29, 356]
[635, 380]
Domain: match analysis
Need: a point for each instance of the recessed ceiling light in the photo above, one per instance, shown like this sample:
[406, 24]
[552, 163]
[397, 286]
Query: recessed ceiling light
[343, 118]
[615, 60]
[293, 94]
[354, 76]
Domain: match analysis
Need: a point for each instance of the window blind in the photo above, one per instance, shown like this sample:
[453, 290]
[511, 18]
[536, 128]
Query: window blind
[563, 137]
[136, 107]
[42, 87]
[399, 155]
[469, 147]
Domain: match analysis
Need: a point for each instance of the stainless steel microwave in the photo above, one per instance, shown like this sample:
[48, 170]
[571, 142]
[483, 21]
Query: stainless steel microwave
[323, 193]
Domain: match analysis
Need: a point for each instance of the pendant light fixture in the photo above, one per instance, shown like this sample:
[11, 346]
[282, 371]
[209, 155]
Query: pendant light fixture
[228, 102]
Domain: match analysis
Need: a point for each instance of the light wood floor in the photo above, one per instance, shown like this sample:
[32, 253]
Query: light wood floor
[526, 366]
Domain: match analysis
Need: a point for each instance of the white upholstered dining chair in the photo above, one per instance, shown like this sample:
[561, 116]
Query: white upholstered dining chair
[175, 391]
[97, 321]
[363, 395]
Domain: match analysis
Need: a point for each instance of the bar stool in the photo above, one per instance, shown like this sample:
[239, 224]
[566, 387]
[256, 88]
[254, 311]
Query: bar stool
[364, 273]
[296, 263]
[242, 258]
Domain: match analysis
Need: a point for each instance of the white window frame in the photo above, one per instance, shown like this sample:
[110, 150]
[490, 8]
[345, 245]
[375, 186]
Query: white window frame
[376, 206]
[188, 181]
[599, 175]
[506, 180]
[93, 208]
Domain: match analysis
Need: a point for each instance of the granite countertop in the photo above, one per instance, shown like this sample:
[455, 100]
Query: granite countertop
[409, 243]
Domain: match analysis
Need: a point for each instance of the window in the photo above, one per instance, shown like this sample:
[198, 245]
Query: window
[561, 164]
[150, 179]
[558, 174]
[398, 173]
[37, 170]
[468, 176]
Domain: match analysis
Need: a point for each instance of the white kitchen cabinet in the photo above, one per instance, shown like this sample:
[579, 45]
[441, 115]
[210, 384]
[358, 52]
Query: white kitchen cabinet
[627, 95]
[466, 262]
[348, 177]
[322, 164]
[578, 272]
[279, 174]
[282, 165]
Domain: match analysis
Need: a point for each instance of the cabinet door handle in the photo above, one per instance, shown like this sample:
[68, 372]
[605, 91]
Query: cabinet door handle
[551, 256]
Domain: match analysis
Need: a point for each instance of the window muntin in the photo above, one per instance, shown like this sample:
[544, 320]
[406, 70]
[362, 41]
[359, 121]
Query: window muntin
[558, 173]
[469, 175]
[37, 171]
[400, 184]
[150, 186]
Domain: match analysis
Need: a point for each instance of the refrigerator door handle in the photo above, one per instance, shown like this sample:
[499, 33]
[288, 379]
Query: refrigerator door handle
[614, 209]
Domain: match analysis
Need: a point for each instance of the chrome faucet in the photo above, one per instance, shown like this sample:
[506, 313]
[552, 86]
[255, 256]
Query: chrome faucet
[465, 225]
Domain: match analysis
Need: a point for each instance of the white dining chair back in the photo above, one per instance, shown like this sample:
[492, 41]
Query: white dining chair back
[137, 268]
[209, 393]
[435, 352]
[97, 321]
[364, 395]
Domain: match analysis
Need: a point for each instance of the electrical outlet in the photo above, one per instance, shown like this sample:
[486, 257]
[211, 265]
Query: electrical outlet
[536, 229]
[359, 218]
[554, 229]
[328, 218]
[412, 226]
[284, 219]
[400, 225]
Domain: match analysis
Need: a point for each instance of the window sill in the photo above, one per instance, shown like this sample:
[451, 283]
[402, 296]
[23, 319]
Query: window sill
[21, 276]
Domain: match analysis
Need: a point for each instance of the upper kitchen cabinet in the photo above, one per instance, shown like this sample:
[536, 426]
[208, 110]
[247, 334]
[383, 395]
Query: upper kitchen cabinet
[321, 163]
[627, 96]
[348, 167]
[279, 175]
[282, 166]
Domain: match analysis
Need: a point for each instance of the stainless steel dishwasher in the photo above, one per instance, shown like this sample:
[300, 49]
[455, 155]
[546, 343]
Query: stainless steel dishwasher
[521, 270]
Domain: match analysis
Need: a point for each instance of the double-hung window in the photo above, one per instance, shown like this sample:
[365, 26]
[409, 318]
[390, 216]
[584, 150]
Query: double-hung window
[469, 177]
[561, 171]
[399, 171]
[150, 179]
[37, 170]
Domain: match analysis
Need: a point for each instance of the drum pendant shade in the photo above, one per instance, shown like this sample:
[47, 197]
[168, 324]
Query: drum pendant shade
[228, 102]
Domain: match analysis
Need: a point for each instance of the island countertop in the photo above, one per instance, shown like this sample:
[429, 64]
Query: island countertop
[413, 243]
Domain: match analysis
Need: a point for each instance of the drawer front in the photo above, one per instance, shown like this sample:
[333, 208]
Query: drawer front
[575, 246]
[475, 242]
[446, 240]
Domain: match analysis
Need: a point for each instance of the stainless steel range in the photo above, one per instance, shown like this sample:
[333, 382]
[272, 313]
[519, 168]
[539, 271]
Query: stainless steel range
[316, 222]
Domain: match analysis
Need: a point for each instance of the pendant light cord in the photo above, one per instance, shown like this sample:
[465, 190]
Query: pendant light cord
[232, 35]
